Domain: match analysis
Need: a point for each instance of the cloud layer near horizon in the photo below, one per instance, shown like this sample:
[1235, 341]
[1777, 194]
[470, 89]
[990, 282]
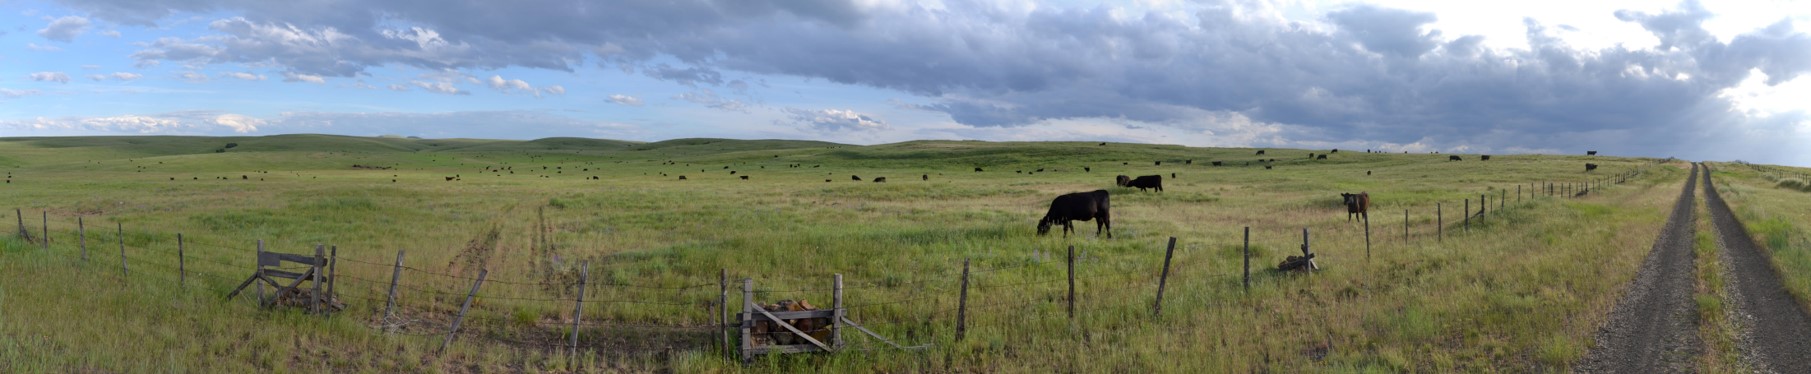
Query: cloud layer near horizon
[1358, 77]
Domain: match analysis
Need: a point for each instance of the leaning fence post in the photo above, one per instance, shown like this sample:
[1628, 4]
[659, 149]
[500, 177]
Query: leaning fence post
[962, 304]
[395, 275]
[81, 231]
[462, 308]
[723, 309]
[578, 309]
[1162, 278]
[121, 237]
[22, 233]
[1248, 258]
[182, 263]
[1072, 283]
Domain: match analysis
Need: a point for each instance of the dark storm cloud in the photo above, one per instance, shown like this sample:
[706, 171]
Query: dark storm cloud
[1370, 74]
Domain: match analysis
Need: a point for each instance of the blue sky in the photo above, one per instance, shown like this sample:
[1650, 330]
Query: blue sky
[1717, 81]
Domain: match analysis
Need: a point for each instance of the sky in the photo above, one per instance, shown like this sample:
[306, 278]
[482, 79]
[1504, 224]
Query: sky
[1724, 80]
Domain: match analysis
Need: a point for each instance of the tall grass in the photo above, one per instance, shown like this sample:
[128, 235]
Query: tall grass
[1520, 291]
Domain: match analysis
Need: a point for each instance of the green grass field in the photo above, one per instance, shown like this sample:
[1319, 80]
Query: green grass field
[1523, 289]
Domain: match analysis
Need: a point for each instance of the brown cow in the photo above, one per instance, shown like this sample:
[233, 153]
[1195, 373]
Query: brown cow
[1358, 203]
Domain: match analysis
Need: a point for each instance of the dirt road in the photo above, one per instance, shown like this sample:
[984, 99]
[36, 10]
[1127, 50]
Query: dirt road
[1654, 328]
[1776, 334]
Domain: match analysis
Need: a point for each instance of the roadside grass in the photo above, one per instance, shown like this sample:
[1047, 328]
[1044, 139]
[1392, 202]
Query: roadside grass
[1523, 289]
[1775, 217]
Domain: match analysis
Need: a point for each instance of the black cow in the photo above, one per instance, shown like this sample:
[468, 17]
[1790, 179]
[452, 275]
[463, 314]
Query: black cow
[1266, 167]
[1320, 157]
[1172, 175]
[1311, 155]
[1357, 204]
[857, 178]
[1086, 169]
[1590, 167]
[1590, 153]
[1157, 163]
[977, 170]
[1454, 158]
[927, 177]
[1260, 152]
[1121, 180]
[1216, 163]
[1148, 181]
[682, 177]
[1188, 162]
[880, 179]
[1083, 206]
[1040, 170]
[745, 177]
[1335, 150]
[1484, 158]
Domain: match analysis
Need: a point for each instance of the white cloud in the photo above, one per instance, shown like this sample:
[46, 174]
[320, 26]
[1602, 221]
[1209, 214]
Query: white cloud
[64, 29]
[243, 76]
[43, 48]
[9, 93]
[112, 33]
[299, 77]
[625, 100]
[554, 89]
[836, 120]
[499, 83]
[124, 76]
[193, 77]
[239, 123]
[50, 76]
[440, 87]
[399, 88]
[91, 67]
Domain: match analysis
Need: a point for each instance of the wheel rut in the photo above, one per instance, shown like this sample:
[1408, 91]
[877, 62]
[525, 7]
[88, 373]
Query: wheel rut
[1654, 327]
[1776, 337]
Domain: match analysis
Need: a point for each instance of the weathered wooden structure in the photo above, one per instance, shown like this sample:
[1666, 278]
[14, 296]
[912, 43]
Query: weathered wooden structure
[765, 331]
[304, 289]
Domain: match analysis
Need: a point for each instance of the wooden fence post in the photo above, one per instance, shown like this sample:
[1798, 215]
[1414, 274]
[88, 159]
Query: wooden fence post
[748, 305]
[333, 262]
[836, 321]
[182, 263]
[1247, 258]
[1483, 205]
[1467, 214]
[46, 223]
[1071, 283]
[1163, 278]
[390, 301]
[578, 310]
[1439, 224]
[1367, 237]
[81, 231]
[121, 238]
[22, 233]
[462, 308]
[1306, 251]
[1405, 226]
[962, 304]
[260, 272]
[1502, 196]
[315, 270]
[723, 310]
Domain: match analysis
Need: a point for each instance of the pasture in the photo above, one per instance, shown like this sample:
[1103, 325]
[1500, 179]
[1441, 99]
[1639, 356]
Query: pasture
[1521, 289]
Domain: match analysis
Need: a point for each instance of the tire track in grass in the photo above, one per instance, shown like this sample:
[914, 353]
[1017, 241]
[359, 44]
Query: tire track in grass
[1654, 327]
[1777, 336]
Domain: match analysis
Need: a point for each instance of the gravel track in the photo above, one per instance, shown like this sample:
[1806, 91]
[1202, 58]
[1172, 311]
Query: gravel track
[1654, 327]
[1777, 328]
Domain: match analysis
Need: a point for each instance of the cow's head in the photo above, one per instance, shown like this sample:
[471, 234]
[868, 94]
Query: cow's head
[1348, 199]
[1044, 226]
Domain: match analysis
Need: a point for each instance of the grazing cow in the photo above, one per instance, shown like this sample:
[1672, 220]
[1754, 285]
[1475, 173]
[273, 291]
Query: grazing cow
[1085, 169]
[1590, 167]
[1148, 181]
[1335, 150]
[1311, 155]
[682, 177]
[1266, 167]
[1260, 152]
[826, 181]
[880, 180]
[977, 170]
[1367, 172]
[1040, 170]
[1454, 158]
[1157, 163]
[1216, 163]
[1320, 157]
[732, 172]
[1188, 162]
[745, 177]
[856, 178]
[1357, 204]
[1590, 153]
[1121, 180]
[1103, 144]
[449, 179]
[927, 177]
[1484, 158]
[1172, 175]
[1083, 206]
